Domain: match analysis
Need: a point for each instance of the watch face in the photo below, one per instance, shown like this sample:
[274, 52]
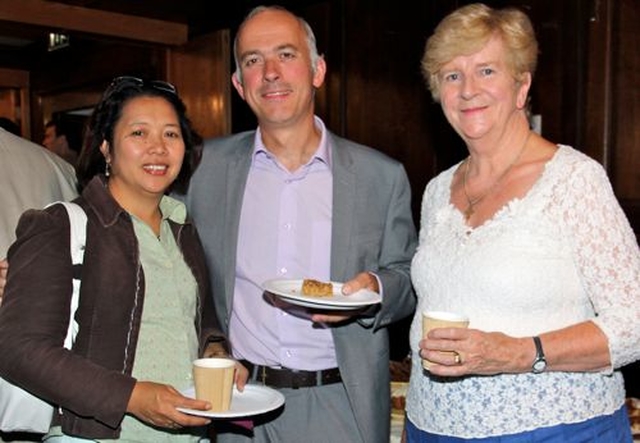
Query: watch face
[539, 366]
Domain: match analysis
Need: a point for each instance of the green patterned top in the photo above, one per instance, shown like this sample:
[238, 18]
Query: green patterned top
[168, 340]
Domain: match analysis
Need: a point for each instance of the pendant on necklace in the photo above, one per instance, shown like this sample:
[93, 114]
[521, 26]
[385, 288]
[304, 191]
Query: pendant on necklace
[468, 212]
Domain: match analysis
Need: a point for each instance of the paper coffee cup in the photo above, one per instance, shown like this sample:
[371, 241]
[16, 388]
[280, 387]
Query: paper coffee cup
[213, 380]
[441, 319]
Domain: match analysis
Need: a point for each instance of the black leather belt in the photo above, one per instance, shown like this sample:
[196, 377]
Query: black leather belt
[291, 378]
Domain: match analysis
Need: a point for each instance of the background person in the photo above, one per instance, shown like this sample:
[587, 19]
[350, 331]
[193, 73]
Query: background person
[22, 189]
[527, 238]
[143, 318]
[64, 138]
[292, 200]
[31, 177]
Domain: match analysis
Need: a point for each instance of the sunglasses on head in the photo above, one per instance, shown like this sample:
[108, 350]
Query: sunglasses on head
[155, 84]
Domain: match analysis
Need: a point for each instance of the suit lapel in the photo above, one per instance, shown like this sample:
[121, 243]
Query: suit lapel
[344, 196]
[236, 175]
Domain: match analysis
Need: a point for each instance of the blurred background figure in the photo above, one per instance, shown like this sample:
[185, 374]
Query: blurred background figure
[63, 136]
[23, 188]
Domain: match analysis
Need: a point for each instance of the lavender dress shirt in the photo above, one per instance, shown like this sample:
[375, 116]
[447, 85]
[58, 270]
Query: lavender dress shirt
[285, 232]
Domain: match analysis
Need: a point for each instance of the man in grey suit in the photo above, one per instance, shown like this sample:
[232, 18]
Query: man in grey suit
[292, 201]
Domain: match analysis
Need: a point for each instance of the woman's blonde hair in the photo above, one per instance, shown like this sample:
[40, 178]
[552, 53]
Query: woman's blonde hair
[468, 29]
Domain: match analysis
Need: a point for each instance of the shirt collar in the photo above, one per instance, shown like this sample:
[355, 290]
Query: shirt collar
[322, 154]
[173, 209]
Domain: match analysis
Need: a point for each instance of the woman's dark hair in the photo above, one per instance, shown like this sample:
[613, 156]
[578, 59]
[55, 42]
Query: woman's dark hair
[109, 111]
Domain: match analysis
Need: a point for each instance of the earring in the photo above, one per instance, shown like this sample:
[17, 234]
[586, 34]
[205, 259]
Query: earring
[107, 169]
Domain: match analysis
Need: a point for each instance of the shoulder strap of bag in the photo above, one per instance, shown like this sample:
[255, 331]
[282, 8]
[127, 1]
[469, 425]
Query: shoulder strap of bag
[78, 222]
[78, 231]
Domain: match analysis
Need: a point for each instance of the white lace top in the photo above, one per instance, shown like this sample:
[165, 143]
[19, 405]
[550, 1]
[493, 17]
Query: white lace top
[562, 254]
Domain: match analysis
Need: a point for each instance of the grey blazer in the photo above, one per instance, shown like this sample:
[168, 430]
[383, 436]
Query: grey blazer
[372, 230]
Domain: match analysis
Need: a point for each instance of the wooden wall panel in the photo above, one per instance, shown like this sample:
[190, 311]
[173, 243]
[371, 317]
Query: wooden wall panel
[625, 107]
[557, 84]
[76, 77]
[386, 103]
[598, 73]
[201, 70]
[327, 23]
[612, 93]
[11, 108]
[16, 98]
[54, 15]
[14, 78]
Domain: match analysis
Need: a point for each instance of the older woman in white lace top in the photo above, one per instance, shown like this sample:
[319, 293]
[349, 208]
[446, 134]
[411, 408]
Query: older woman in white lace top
[526, 238]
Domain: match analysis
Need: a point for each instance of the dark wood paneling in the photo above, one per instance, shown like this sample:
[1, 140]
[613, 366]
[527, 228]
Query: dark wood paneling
[54, 15]
[207, 94]
[625, 106]
[386, 103]
[86, 68]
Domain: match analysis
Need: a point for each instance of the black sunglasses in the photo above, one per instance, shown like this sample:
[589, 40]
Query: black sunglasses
[156, 84]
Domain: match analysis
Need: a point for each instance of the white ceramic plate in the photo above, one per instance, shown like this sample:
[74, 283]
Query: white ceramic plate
[290, 291]
[254, 400]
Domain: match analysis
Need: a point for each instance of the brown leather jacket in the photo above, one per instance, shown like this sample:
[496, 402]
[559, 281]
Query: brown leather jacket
[93, 383]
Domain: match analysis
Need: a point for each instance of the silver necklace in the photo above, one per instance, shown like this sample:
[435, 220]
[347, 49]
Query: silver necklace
[472, 202]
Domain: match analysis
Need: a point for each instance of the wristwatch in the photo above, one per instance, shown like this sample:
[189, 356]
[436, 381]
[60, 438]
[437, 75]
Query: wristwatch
[540, 363]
